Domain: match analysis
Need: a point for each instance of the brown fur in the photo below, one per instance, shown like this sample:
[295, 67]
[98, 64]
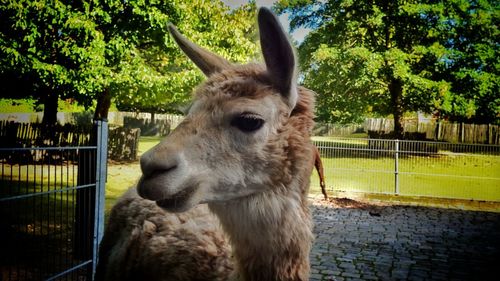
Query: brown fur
[319, 168]
[143, 242]
[255, 182]
[169, 246]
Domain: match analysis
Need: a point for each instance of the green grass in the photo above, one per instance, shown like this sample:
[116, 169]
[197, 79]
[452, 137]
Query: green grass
[123, 176]
[57, 203]
[146, 143]
[29, 105]
[462, 176]
[48, 217]
[17, 105]
[467, 176]
[44, 233]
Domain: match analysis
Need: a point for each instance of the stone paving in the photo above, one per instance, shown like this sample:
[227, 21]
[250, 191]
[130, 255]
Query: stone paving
[366, 242]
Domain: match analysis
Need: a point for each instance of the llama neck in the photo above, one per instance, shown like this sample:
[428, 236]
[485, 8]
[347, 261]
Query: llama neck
[270, 234]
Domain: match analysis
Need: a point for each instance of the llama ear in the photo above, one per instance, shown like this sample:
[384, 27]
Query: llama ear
[278, 55]
[207, 61]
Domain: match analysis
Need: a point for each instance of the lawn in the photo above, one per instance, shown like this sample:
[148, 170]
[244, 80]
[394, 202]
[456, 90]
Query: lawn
[460, 176]
[44, 231]
[449, 175]
[125, 175]
[122, 176]
[443, 174]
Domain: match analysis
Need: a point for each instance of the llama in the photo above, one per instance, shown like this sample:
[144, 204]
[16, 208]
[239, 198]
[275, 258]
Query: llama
[224, 196]
[318, 164]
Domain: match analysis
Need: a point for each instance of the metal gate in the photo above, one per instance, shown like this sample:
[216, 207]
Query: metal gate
[52, 209]
[412, 168]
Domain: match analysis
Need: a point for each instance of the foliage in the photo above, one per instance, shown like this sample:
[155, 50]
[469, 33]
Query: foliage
[85, 49]
[388, 57]
[159, 77]
[17, 105]
[50, 49]
[471, 62]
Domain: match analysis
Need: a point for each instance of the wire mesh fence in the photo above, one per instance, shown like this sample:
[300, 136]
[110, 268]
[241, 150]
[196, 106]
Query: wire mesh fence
[49, 209]
[412, 168]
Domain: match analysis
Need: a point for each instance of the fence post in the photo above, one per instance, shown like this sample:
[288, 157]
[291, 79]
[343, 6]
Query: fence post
[396, 167]
[101, 175]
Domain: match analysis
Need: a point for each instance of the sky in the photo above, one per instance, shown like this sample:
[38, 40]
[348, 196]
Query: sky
[298, 34]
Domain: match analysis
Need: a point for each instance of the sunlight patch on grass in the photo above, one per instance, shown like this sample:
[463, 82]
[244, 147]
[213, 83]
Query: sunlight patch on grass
[460, 177]
[122, 176]
[146, 143]
[419, 175]
[120, 179]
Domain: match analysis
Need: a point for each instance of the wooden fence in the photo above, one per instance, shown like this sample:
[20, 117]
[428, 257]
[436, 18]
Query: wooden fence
[438, 131]
[13, 134]
[147, 126]
[378, 127]
[328, 129]
[160, 125]
[123, 142]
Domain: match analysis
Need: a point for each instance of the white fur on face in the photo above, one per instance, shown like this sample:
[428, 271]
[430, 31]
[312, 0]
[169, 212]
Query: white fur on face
[206, 159]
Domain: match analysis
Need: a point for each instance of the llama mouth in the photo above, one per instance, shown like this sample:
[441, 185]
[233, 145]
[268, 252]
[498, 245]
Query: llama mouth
[177, 201]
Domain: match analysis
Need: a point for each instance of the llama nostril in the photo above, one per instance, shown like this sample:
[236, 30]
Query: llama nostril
[160, 171]
[153, 169]
[152, 166]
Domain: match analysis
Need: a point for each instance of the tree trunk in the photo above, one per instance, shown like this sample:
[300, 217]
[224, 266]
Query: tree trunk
[396, 91]
[103, 104]
[50, 108]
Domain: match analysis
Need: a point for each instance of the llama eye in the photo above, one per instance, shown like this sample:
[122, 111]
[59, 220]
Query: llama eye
[247, 122]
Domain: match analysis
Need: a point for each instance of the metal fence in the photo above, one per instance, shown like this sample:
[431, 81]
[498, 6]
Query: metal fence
[52, 210]
[411, 168]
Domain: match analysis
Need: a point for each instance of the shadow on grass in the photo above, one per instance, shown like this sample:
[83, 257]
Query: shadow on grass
[38, 231]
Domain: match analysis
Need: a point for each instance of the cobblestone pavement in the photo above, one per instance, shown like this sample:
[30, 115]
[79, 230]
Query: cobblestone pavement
[366, 242]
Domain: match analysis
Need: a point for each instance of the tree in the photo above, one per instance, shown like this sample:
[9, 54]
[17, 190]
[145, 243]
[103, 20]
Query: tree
[388, 57]
[99, 50]
[49, 50]
[159, 77]
[471, 63]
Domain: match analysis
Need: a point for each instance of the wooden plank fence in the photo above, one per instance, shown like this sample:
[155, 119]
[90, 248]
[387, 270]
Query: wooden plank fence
[327, 129]
[114, 118]
[147, 126]
[438, 131]
[13, 134]
[123, 142]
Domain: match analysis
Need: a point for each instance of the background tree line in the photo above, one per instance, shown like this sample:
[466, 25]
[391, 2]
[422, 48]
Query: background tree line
[114, 50]
[363, 58]
[394, 56]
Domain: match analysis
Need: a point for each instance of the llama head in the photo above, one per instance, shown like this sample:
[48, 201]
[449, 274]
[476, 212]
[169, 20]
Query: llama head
[233, 141]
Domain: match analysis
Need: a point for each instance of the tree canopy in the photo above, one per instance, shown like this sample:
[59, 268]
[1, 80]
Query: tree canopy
[389, 57]
[89, 50]
[159, 77]
[50, 50]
